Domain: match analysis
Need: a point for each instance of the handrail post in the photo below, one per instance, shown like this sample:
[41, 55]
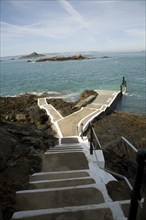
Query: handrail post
[141, 157]
[91, 139]
[81, 130]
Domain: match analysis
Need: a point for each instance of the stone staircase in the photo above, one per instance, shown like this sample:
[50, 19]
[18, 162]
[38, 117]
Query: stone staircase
[70, 186]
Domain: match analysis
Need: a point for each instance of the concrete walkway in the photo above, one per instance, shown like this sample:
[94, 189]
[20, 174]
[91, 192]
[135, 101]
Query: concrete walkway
[72, 184]
[70, 125]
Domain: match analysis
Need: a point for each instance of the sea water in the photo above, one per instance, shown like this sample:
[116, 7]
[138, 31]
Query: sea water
[70, 78]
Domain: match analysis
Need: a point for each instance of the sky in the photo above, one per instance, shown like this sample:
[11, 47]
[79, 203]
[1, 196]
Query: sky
[52, 26]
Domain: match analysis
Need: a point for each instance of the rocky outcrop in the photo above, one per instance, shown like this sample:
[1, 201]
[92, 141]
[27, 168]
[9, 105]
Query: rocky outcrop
[118, 124]
[76, 57]
[86, 93]
[25, 133]
[23, 108]
[32, 55]
[22, 148]
[65, 108]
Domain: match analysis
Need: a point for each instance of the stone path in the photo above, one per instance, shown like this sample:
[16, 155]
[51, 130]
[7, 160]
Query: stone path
[72, 184]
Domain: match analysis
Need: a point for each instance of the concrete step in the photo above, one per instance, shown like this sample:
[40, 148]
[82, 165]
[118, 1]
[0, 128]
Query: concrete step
[66, 214]
[62, 151]
[69, 145]
[61, 183]
[58, 175]
[56, 198]
[64, 161]
[70, 140]
[65, 148]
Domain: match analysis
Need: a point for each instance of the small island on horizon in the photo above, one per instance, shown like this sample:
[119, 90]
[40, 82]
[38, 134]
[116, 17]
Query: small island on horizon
[63, 58]
[32, 55]
[43, 58]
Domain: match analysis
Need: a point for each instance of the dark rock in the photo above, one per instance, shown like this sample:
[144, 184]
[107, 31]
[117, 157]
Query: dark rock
[118, 190]
[22, 108]
[22, 146]
[37, 143]
[65, 108]
[105, 57]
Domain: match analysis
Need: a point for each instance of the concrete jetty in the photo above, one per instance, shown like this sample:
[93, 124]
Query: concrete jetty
[71, 125]
[72, 183]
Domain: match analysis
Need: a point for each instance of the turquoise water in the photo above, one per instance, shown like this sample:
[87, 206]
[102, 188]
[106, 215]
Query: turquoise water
[72, 77]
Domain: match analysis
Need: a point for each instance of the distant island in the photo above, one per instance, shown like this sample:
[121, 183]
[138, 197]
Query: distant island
[105, 57]
[76, 57]
[32, 55]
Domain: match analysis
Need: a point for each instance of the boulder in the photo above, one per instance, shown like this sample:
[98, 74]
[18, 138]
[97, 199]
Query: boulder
[20, 117]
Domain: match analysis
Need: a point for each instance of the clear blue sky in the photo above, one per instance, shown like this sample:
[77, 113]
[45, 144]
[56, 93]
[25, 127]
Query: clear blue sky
[47, 26]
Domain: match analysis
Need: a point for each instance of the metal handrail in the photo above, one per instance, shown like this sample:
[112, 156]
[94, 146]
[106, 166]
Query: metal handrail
[97, 139]
[141, 162]
[114, 173]
[129, 144]
[125, 140]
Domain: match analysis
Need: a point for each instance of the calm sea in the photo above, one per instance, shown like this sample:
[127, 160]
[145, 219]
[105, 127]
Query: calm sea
[71, 77]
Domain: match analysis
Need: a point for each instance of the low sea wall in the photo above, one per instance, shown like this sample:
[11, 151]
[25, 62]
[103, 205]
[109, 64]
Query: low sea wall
[109, 109]
[113, 105]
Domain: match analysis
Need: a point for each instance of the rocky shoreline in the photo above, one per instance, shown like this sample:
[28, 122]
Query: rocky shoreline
[25, 133]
